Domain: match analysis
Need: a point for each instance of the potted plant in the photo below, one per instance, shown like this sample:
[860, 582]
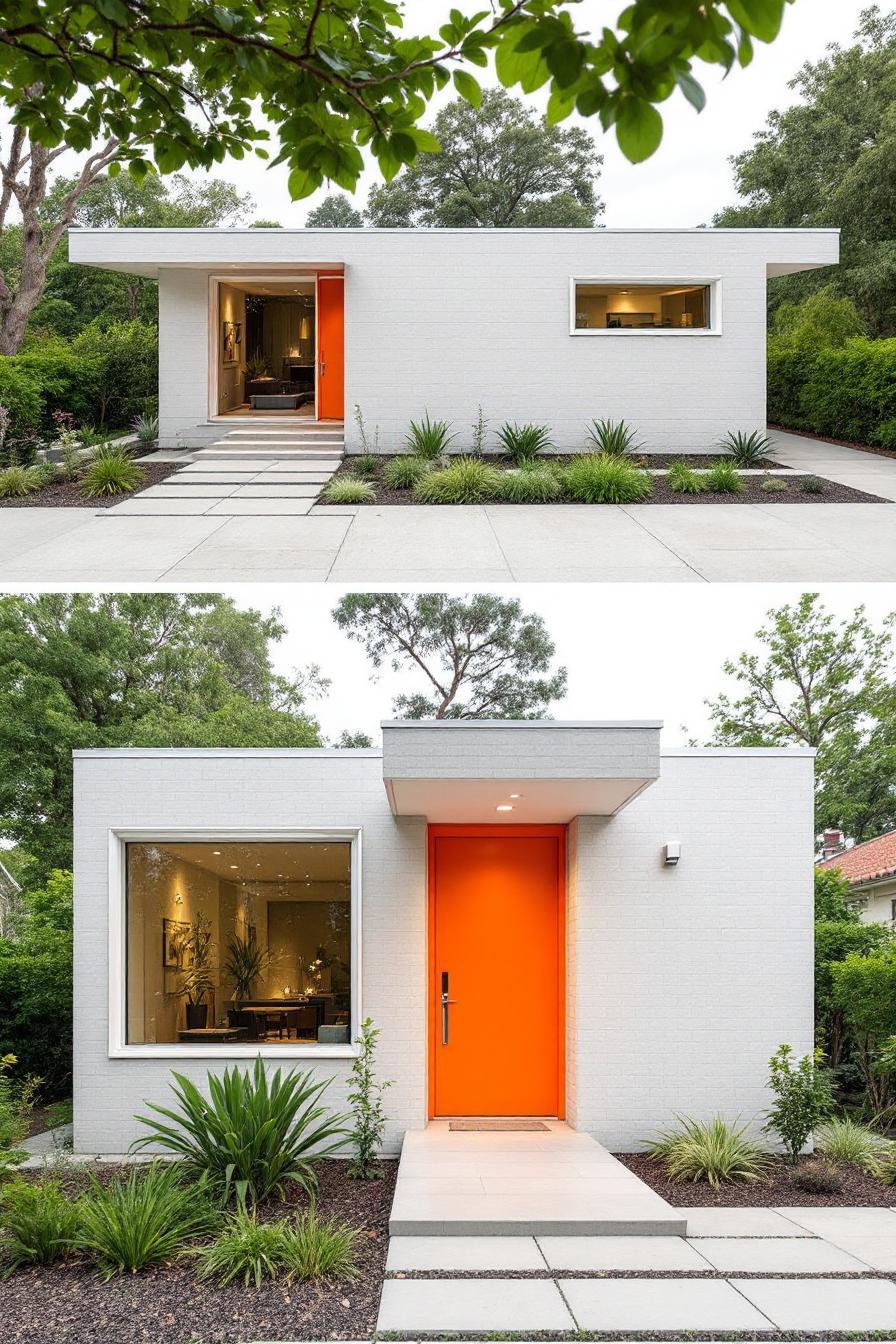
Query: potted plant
[246, 961]
[196, 981]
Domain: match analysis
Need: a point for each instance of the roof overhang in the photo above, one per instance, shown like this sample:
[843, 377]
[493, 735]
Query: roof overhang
[516, 771]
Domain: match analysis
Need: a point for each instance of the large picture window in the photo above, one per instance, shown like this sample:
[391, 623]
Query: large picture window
[239, 942]
[604, 306]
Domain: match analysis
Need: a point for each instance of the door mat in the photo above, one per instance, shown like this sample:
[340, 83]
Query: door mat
[496, 1124]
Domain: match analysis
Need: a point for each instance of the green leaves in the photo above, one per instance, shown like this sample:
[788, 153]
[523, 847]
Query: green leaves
[468, 88]
[639, 128]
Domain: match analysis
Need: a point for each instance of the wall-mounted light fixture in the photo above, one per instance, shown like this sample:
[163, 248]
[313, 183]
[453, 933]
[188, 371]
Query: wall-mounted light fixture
[671, 853]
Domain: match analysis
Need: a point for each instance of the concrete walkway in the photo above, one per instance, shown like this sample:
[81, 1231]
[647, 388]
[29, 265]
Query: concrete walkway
[800, 1258]
[555, 1181]
[249, 534]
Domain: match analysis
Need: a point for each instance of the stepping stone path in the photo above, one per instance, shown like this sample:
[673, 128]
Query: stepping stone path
[257, 472]
[794, 1254]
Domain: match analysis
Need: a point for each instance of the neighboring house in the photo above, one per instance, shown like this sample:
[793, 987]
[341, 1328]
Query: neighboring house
[870, 869]
[665, 328]
[543, 918]
[9, 889]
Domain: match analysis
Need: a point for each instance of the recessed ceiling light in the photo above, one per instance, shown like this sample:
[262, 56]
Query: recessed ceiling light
[234, 865]
[216, 851]
[504, 807]
[515, 795]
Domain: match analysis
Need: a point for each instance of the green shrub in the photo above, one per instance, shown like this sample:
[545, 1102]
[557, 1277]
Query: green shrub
[537, 484]
[773, 485]
[818, 1178]
[16, 482]
[17, 1097]
[845, 393]
[146, 428]
[429, 439]
[598, 478]
[613, 437]
[254, 1134]
[366, 465]
[403, 473]
[144, 1219]
[126, 355]
[747, 450]
[853, 1144]
[466, 480]
[812, 485]
[716, 1151]
[864, 990]
[523, 443]
[68, 379]
[36, 986]
[366, 1099]
[348, 489]
[308, 1248]
[724, 479]
[21, 392]
[684, 480]
[823, 318]
[802, 1098]
[111, 472]
[40, 1223]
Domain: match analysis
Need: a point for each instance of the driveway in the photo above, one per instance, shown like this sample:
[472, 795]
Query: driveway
[489, 543]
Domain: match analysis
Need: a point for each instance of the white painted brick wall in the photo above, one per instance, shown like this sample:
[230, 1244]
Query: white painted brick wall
[681, 982]
[444, 320]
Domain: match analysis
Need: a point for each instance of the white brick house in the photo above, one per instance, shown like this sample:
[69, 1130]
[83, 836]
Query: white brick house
[498, 897]
[662, 327]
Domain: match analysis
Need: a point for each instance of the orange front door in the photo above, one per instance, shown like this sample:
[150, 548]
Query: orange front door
[497, 956]
[330, 347]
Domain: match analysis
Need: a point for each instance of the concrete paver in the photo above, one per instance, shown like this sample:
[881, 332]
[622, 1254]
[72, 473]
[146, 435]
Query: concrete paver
[786, 1255]
[741, 1222]
[473, 1305]
[659, 1304]
[464, 1253]
[621, 1253]
[833, 1223]
[820, 1304]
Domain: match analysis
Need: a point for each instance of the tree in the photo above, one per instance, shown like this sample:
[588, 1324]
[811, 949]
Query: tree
[353, 741]
[831, 895]
[334, 212]
[825, 684]
[500, 167]
[36, 985]
[865, 992]
[835, 940]
[821, 319]
[131, 669]
[165, 84]
[830, 160]
[480, 656]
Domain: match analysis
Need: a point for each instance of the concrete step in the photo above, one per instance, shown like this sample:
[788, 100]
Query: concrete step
[553, 1183]
[216, 454]
[330, 445]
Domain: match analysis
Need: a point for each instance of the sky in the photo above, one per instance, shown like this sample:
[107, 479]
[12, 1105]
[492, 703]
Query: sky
[632, 651]
[688, 179]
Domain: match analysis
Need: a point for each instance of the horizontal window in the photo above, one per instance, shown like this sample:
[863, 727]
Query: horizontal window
[239, 942]
[605, 306]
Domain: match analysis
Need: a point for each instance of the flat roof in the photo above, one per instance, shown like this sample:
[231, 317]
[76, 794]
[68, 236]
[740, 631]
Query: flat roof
[329, 233]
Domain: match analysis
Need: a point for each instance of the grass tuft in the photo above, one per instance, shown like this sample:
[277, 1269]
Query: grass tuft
[307, 1248]
[403, 473]
[599, 478]
[747, 450]
[812, 485]
[536, 484]
[773, 485]
[523, 443]
[716, 1151]
[40, 1224]
[848, 1141]
[366, 465]
[16, 481]
[466, 480]
[429, 439]
[112, 471]
[724, 479]
[684, 480]
[348, 490]
[613, 437]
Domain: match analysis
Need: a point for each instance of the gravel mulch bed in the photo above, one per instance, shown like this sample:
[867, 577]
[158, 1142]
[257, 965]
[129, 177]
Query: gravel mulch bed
[778, 1189]
[841, 443]
[70, 1304]
[662, 493]
[67, 494]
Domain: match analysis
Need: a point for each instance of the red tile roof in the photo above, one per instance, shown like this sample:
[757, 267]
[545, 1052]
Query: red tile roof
[863, 863]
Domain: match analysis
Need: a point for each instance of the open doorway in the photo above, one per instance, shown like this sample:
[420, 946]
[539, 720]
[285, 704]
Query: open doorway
[267, 348]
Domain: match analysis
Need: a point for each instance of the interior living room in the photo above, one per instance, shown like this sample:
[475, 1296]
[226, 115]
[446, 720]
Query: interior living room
[266, 348]
[238, 942]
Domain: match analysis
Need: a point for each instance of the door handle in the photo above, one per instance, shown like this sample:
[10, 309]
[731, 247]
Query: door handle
[322, 368]
[445, 1004]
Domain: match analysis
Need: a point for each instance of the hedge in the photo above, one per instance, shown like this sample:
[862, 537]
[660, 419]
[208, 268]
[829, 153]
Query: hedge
[845, 393]
[105, 377]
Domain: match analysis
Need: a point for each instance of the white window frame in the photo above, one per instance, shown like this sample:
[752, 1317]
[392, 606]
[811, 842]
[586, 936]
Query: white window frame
[712, 282]
[225, 1051]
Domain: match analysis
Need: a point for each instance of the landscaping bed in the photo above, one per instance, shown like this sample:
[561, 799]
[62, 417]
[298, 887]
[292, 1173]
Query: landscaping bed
[776, 1189]
[63, 494]
[661, 492]
[69, 1303]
